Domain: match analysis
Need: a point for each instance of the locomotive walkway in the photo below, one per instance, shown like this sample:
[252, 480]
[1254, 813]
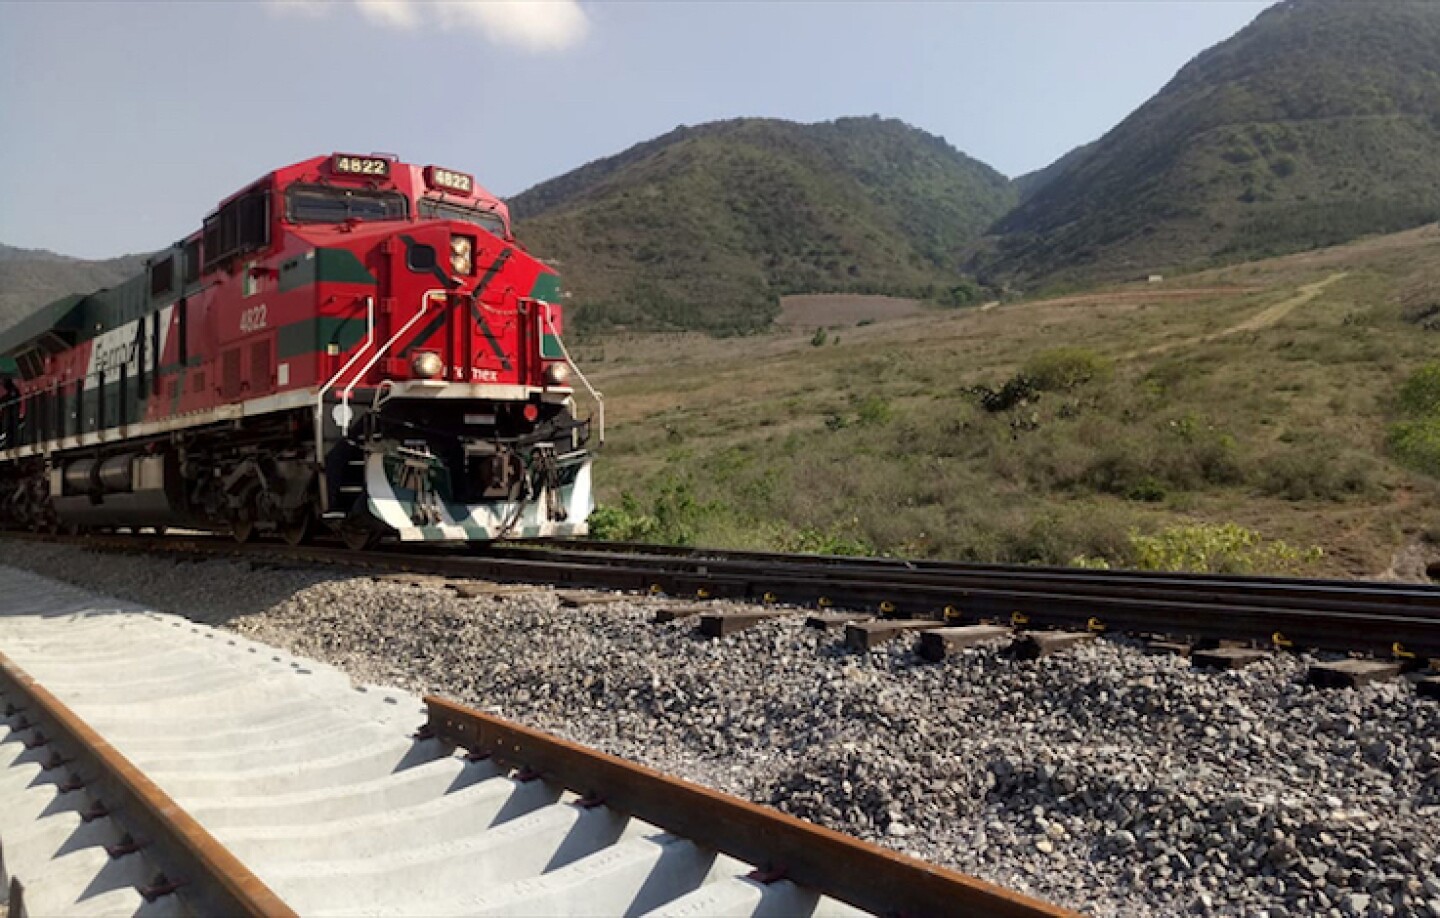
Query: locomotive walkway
[153, 766]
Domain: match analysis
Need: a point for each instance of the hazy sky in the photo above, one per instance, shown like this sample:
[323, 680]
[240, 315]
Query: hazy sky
[122, 124]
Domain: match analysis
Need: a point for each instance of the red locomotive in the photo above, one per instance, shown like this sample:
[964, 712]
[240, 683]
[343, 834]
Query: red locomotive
[348, 341]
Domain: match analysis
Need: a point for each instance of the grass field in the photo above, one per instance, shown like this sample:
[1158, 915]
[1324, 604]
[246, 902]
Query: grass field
[1123, 426]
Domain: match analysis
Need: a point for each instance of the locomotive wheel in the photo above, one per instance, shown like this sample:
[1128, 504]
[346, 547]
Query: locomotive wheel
[359, 537]
[299, 531]
[243, 531]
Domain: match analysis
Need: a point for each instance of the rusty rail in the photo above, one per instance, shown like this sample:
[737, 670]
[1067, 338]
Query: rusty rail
[863, 875]
[213, 881]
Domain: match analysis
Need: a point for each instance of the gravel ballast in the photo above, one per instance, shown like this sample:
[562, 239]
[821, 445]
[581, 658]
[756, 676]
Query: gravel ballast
[1106, 779]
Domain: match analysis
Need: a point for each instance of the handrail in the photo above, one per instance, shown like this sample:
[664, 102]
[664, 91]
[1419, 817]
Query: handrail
[545, 320]
[320, 396]
[381, 351]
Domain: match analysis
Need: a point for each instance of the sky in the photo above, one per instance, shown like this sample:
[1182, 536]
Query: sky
[123, 123]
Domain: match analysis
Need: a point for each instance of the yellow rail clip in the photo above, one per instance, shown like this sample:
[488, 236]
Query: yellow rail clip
[1281, 641]
[656, 589]
[887, 607]
[1094, 625]
[952, 614]
[702, 593]
[1398, 651]
[769, 598]
[824, 602]
[1019, 618]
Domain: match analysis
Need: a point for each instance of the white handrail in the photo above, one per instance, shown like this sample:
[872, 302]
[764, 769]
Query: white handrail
[419, 314]
[320, 397]
[545, 320]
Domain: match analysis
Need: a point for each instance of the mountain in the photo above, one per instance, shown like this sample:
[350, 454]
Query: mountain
[706, 227]
[30, 278]
[1317, 123]
[1028, 184]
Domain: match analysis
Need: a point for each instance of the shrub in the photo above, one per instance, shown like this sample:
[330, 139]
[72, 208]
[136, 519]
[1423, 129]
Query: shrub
[1416, 444]
[819, 338]
[675, 517]
[874, 411]
[1316, 472]
[625, 523]
[1065, 368]
[827, 542]
[1226, 548]
[1420, 394]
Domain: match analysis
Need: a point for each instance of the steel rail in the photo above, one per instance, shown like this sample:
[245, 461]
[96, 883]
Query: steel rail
[1340, 620]
[208, 876]
[1283, 589]
[866, 876]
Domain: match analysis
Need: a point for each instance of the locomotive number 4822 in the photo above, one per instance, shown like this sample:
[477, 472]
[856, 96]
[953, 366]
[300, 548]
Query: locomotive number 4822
[254, 319]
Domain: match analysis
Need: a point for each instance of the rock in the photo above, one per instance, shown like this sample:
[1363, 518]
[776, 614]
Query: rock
[1300, 803]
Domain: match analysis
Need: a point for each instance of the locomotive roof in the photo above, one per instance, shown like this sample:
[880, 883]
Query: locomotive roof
[71, 316]
[63, 315]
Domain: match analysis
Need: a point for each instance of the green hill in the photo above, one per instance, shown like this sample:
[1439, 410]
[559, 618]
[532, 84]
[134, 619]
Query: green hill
[706, 227]
[30, 278]
[1317, 123]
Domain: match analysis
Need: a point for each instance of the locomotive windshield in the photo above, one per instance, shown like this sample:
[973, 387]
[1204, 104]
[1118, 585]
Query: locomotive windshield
[329, 204]
[444, 210]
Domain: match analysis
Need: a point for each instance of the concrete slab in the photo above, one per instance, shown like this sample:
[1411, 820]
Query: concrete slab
[1352, 673]
[939, 643]
[318, 784]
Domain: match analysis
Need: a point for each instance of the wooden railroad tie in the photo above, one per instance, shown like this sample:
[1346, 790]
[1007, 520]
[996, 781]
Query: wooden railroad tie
[829, 621]
[1035, 644]
[1228, 657]
[939, 643]
[1352, 673]
[719, 624]
[865, 636]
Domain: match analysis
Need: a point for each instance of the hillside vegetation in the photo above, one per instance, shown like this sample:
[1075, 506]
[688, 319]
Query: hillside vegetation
[707, 227]
[1278, 415]
[1316, 124]
[30, 278]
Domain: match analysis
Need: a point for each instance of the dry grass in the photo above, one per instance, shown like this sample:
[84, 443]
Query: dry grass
[1256, 394]
[821, 310]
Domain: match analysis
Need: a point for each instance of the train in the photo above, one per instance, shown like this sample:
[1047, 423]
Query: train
[349, 345]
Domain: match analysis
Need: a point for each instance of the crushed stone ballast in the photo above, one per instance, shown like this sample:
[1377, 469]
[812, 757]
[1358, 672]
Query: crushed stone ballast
[328, 794]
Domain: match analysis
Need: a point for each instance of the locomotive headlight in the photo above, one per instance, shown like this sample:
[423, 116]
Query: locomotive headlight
[557, 374]
[462, 254]
[427, 365]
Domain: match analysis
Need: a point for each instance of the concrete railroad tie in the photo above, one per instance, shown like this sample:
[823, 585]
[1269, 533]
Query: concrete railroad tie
[317, 785]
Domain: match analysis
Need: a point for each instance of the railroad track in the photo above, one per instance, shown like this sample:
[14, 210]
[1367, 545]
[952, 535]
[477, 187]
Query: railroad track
[1397, 623]
[153, 766]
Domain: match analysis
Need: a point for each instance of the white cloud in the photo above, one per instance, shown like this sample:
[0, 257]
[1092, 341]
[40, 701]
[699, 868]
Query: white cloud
[534, 25]
[313, 9]
[400, 14]
[529, 25]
